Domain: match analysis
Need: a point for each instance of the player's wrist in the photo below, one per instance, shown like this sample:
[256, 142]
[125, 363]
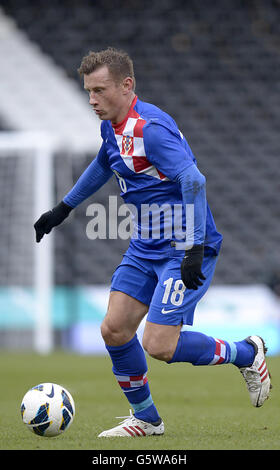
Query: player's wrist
[191, 265]
[195, 250]
[63, 208]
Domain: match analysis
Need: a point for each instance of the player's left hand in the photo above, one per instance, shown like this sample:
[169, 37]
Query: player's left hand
[191, 273]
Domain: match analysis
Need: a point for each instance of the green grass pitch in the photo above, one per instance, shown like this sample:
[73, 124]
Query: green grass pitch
[202, 407]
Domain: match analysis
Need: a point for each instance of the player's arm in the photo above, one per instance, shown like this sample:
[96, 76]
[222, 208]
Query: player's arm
[193, 186]
[96, 174]
[165, 150]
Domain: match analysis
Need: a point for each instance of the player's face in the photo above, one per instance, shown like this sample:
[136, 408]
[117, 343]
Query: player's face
[106, 97]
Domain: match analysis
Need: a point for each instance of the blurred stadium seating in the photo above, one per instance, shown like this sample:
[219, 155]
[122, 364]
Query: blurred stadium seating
[214, 66]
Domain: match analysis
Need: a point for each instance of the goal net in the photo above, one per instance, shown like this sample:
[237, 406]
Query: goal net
[26, 274]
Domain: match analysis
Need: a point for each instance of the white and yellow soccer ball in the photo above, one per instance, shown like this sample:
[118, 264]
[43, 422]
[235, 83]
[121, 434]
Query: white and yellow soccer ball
[47, 409]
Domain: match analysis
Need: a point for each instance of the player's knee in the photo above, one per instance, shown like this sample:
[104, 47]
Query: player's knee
[112, 335]
[104, 331]
[156, 349]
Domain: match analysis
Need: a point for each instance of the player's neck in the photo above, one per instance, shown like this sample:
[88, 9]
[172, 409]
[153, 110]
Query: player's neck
[124, 111]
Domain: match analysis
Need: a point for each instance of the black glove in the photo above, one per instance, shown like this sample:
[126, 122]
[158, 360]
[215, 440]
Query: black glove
[51, 219]
[191, 267]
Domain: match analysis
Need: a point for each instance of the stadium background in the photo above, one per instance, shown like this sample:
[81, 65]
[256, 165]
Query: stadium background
[214, 66]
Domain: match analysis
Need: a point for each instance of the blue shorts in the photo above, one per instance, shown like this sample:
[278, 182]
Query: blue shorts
[157, 283]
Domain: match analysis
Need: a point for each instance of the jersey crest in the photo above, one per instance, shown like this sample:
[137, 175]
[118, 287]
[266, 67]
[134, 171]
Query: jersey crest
[127, 145]
[129, 137]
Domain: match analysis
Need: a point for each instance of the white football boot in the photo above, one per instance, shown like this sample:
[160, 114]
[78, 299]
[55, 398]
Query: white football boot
[256, 376]
[133, 427]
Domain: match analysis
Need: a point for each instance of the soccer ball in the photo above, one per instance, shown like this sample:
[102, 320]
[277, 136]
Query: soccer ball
[47, 409]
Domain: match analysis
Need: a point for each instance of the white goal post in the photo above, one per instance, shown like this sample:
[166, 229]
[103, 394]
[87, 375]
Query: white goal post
[40, 147]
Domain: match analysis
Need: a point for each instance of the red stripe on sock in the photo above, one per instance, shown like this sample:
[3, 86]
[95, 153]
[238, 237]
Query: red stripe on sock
[124, 384]
[220, 360]
[135, 378]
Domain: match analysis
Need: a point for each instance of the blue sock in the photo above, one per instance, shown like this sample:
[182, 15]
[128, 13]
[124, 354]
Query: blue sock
[245, 354]
[200, 349]
[130, 369]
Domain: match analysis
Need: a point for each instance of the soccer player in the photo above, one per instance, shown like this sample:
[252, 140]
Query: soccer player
[168, 266]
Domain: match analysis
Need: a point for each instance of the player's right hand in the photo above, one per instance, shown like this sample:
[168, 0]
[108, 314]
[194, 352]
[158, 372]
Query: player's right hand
[191, 264]
[51, 219]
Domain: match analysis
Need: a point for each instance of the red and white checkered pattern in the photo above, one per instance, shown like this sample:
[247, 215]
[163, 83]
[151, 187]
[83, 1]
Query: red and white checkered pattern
[220, 352]
[126, 381]
[129, 137]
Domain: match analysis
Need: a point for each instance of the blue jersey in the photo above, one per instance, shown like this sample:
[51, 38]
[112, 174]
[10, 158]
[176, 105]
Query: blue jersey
[148, 155]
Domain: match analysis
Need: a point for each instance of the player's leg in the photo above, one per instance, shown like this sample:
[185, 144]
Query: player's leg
[123, 317]
[173, 305]
[168, 343]
[129, 362]
[160, 341]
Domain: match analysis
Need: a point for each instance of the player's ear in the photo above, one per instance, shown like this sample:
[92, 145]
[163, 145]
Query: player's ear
[128, 84]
